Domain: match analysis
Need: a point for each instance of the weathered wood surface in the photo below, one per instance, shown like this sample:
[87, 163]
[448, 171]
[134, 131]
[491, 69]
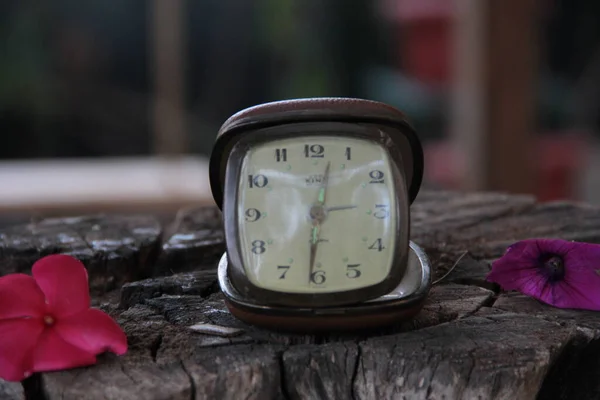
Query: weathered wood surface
[469, 341]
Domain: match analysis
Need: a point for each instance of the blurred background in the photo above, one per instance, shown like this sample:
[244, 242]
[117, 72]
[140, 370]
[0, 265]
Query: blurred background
[114, 106]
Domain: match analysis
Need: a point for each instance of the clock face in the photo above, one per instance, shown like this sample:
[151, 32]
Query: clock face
[317, 214]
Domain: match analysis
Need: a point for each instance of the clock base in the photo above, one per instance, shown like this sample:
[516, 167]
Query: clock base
[400, 305]
[326, 323]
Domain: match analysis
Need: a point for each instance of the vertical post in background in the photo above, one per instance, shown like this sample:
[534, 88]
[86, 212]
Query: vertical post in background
[467, 124]
[166, 29]
[493, 121]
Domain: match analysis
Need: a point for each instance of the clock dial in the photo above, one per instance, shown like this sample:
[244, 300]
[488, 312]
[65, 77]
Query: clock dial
[317, 214]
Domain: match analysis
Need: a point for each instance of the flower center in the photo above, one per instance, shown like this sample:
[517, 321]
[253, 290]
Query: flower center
[49, 320]
[554, 267]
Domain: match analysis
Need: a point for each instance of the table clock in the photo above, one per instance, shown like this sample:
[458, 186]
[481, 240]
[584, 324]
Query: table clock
[315, 196]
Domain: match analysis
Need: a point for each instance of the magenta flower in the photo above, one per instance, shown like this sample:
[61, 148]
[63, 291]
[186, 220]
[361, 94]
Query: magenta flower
[557, 272]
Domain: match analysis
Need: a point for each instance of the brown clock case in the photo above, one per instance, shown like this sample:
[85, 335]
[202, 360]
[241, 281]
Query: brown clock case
[335, 116]
[326, 109]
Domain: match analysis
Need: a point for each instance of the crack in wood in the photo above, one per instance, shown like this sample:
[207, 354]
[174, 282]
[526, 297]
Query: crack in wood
[355, 370]
[32, 389]
[155, 346]
[191, 380]
[574, 371]
[283, 381]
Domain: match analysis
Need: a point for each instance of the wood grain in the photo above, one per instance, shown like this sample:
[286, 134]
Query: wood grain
[469, 341]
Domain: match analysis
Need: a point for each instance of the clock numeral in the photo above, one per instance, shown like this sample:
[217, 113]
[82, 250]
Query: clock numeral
[376, 176]
[252, 214]
[382, 211]
[258, 247]
[314, 151]
[285, 269]
[318, 277]
[352, 271]
[281, 155]
[348, 153]
[260, 181]
[377, 245]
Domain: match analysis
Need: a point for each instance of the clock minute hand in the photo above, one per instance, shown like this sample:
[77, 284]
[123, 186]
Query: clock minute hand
[337, 208]
[314, 241]
[317, 215]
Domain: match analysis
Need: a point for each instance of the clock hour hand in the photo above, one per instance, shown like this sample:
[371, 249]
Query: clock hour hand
[323, 189]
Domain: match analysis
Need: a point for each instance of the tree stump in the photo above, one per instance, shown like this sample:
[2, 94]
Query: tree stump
[470, 341]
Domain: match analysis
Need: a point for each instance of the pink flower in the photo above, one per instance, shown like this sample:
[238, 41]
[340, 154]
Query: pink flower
[46, 322]
[557, 272]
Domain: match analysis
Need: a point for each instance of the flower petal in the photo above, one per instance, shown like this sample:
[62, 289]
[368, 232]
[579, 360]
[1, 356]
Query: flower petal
[18, 337]
[520, 269]
[53, 353]
[20, 296]
[581, 285]
[64, 281]
[93, 331]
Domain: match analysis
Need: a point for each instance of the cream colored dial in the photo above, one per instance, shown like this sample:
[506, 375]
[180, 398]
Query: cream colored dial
[316, 214]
